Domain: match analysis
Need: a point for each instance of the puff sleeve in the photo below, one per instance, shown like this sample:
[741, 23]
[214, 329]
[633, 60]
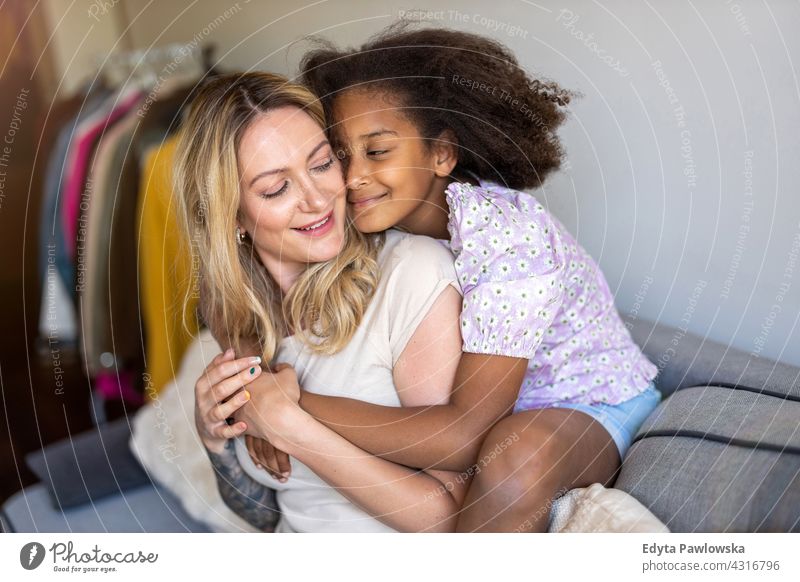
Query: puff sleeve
[510, 265]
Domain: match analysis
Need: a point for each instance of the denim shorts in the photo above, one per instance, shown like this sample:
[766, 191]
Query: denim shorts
[622, 420]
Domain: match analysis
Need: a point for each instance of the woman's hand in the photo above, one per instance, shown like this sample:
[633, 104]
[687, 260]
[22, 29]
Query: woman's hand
[274, 409]
[219, 394]
[262, 452]
[267, 457]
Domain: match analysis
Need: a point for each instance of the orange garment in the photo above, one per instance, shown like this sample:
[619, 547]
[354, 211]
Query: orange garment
[165, 270]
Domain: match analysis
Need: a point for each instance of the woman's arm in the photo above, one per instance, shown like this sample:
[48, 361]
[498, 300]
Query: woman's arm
[405, 499]
[247, 498]
[219, 392]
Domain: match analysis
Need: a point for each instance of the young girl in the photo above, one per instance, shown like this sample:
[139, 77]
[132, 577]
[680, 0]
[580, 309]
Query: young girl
[440, 131]
[282, 276]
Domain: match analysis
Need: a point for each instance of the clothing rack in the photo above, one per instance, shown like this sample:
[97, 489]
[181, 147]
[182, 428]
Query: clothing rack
[148, 65]
[107, 225]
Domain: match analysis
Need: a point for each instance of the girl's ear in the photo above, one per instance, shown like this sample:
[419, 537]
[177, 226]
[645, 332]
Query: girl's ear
[445, 153]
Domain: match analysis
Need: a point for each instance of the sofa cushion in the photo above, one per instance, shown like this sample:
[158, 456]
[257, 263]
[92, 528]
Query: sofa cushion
[88, 466]
[730, 415]
[719, 459]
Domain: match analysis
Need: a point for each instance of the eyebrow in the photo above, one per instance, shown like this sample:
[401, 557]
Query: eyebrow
[318, 147]
[377, 133]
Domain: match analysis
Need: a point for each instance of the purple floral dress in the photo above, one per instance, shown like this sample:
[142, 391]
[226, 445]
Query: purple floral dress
[531, 291]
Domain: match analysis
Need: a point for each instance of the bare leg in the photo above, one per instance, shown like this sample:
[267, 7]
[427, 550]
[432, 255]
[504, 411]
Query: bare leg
[531, 457]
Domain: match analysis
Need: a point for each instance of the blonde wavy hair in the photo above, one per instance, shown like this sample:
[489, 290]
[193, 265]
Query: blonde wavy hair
[238, 298]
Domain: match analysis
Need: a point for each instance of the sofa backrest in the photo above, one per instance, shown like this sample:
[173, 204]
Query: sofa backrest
[684, 359]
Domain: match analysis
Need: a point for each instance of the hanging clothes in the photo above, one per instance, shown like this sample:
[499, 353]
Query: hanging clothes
[48, 128]
[165, 265]
[116, 360]
[57, 312]
[85, 140]
[125, 287]
[93, 212]
[94, 297]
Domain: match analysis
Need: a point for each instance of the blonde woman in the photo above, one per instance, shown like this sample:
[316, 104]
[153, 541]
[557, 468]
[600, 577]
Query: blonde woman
[286, 282]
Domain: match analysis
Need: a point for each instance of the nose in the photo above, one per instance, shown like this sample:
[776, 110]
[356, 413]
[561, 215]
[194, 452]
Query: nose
[357, 176]
[312, 198]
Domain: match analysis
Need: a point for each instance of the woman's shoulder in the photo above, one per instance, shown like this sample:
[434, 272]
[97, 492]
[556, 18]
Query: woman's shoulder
[415, 271]
[409, 259]
[403, 247]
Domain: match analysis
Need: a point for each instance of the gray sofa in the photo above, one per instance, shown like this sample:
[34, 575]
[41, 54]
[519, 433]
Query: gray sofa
[721, 453]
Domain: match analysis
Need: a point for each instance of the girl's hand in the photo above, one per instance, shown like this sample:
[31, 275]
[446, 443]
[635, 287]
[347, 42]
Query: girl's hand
[218, 394]
[274, 410]
[267, 457]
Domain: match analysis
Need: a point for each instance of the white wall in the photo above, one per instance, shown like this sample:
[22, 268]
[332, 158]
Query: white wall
[81, 35]
[692, 219]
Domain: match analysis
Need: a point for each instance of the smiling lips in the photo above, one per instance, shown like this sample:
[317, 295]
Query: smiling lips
[364, 202]
[318, 228]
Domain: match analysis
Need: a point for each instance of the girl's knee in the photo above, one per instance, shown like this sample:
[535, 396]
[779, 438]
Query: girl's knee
[515, 462]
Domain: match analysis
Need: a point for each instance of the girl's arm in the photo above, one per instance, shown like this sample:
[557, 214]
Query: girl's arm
[400, 497]
[403, 498]
[445, 436]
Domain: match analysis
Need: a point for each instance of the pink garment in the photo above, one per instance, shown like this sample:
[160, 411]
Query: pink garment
[117, 387]
[531, 291]
[80, 153]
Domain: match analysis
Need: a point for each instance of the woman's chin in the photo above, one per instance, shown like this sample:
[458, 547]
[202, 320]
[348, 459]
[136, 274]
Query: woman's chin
[326, 250]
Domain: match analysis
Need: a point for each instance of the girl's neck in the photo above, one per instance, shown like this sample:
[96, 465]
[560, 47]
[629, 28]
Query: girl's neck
[431, 216]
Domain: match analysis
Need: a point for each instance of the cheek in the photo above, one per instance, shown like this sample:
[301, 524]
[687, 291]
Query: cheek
[333, 181]
[272, 216]
[408, 174]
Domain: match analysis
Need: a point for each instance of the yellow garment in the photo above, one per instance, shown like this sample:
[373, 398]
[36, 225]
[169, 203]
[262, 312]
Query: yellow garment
[165, 270]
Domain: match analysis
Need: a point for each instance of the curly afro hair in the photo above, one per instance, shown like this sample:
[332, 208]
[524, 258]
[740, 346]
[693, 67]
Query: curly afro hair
[503, 119]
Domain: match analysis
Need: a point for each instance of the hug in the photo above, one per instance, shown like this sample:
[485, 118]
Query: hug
[413, 342]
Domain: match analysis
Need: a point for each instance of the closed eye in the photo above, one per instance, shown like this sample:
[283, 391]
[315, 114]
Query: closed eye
[323, 167]
[276, 193]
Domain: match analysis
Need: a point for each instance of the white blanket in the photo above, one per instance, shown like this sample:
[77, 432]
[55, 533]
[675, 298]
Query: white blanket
[595, 509]
[166, 443]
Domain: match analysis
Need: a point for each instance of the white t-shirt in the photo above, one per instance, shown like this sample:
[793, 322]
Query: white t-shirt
[414, 271]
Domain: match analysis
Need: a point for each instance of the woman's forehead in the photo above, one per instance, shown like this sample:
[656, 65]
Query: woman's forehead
[280, 137]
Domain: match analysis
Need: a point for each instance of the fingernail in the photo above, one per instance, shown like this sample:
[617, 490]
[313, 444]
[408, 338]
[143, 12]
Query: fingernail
[255, 360]
[229, 351]
[259, 466]
[252, 371]
[285, 473]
